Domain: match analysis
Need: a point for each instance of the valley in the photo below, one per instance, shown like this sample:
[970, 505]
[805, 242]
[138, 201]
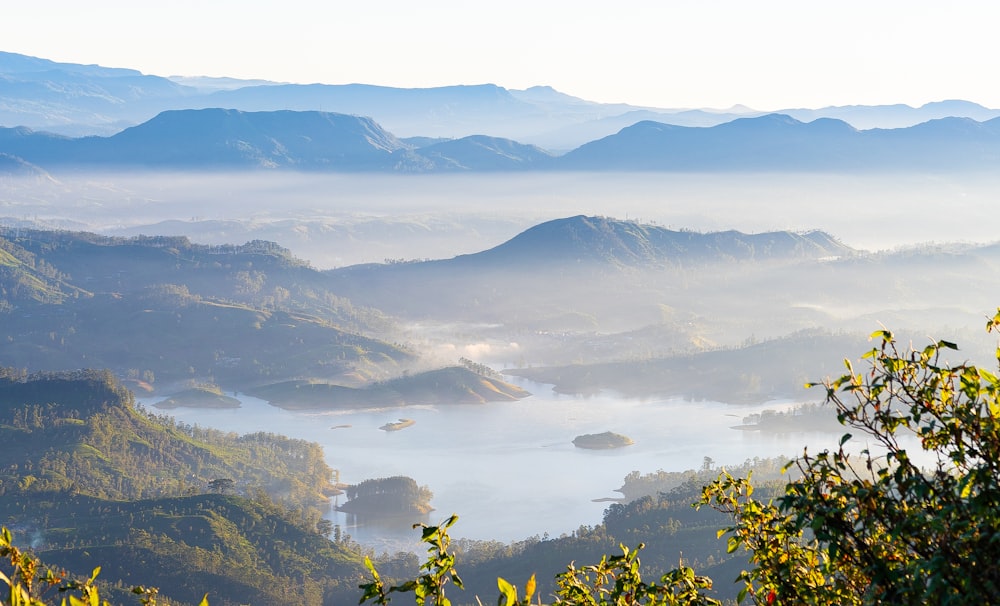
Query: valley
[252, 332]
[497, 358]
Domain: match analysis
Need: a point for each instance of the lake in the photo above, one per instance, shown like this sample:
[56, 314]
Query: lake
[509, 469]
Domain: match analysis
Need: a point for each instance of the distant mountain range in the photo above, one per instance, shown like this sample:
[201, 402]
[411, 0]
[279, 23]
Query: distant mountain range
[77, 100]
[226, 139]
[780, 142]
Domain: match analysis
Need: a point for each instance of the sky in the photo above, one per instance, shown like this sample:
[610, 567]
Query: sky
[659, 53]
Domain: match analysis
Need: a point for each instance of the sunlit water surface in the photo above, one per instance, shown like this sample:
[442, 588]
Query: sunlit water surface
[510, 469]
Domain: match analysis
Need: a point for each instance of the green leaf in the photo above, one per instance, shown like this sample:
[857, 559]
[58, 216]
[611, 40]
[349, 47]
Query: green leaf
[508, 594]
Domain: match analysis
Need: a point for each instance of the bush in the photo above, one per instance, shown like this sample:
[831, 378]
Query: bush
[872, 527]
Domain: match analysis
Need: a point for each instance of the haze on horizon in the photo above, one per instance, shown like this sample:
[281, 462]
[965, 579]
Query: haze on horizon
[753, 330]
[774, 55]
[338, 220]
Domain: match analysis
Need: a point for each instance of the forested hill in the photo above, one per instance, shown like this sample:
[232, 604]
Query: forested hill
[92, 481]
[78, 393]
[572, 263]
[135, 305]
[583, 239]
[87, 480]
[81, 431]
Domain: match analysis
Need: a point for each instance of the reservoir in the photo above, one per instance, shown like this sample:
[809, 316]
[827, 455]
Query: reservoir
[510, 469]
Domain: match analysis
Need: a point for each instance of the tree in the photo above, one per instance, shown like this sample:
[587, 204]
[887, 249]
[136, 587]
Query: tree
[324, 527]
[26, 580]
[222, 485]
[914, 518]
[439, 569]
[615, 581]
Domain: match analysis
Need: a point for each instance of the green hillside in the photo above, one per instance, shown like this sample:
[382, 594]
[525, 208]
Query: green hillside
[237, 550]
[26, 279]
[91, 480]
[81, 432]
[166, 309]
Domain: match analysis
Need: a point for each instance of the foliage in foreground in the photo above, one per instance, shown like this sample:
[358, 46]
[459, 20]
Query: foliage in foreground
[88, 479]
[615, 580]
[912, 518]
[27, 581]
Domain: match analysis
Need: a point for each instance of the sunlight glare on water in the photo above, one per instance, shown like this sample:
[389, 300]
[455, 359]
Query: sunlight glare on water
[510, 469]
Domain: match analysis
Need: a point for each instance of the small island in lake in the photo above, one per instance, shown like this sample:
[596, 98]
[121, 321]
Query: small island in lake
[602, 441]
[400, 424]
[395, 496]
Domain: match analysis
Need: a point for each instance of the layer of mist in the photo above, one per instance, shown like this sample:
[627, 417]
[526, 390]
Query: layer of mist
[339, 220]
[735, 333]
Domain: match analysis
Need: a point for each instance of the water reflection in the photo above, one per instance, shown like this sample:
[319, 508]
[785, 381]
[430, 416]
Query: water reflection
[510, 469]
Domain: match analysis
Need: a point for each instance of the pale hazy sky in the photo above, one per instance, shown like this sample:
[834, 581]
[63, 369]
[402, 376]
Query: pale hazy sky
[698, 53]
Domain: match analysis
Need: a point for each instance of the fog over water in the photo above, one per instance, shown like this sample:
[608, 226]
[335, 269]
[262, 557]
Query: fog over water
[509, 469]
[336, 220]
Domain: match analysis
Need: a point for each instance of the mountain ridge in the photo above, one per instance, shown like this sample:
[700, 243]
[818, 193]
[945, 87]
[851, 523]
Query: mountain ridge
[572, 263]
[224, 139]
[628, 243]
[74, 99]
